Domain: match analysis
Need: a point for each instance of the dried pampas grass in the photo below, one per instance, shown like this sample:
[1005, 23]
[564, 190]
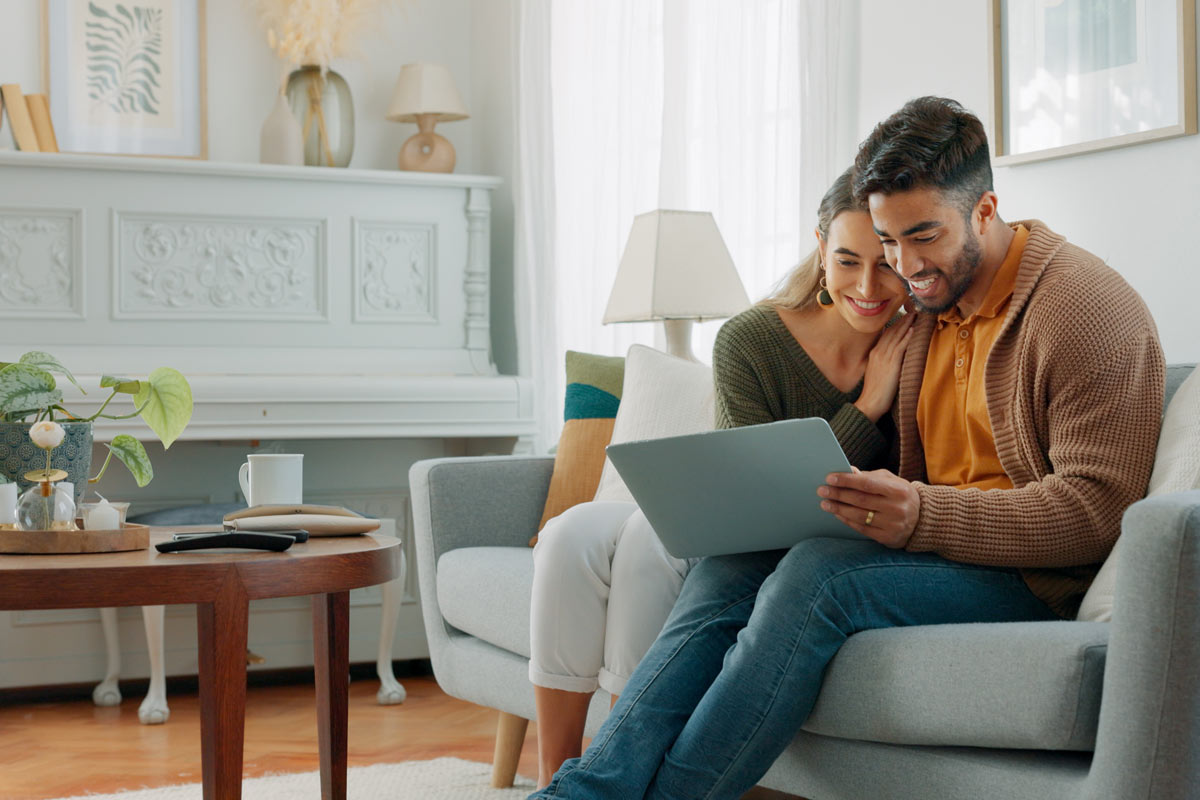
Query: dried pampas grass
[314, 32]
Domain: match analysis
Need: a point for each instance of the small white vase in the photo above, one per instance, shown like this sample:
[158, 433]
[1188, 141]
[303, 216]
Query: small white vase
[281, 141]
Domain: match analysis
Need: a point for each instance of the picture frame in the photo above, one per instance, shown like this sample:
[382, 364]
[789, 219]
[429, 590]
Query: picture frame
[127, 77]
[1078, 76]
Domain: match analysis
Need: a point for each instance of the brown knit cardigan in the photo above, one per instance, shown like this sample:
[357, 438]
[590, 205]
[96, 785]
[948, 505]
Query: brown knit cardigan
[1074, 388]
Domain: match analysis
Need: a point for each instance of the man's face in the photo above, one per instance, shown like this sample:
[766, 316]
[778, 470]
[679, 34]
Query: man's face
[929, 244]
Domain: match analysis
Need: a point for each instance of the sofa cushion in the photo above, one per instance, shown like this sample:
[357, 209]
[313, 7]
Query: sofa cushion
[1012, 685]
[662, 396]
[1176, 469]
[1029, 685]
[484, 591]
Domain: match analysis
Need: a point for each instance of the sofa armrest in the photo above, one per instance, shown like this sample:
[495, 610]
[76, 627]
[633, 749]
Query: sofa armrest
[470, 502]
[485, 501]
[1148, 742]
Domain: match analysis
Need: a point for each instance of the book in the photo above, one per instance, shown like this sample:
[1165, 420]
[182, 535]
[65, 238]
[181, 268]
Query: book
[18, 117]
[39, 113]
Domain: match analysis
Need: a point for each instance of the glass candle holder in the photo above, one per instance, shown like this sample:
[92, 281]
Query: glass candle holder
[47, 507]
[87, 512]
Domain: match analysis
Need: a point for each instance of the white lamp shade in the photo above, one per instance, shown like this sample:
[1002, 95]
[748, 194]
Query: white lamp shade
[675, 266]
[425, 89]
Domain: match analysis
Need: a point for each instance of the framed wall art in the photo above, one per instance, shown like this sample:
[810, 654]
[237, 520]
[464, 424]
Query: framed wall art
[1075, 76]
[127, 76]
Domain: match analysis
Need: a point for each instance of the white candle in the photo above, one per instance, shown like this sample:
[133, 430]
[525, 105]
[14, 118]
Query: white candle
[102, 516]
[8, 504]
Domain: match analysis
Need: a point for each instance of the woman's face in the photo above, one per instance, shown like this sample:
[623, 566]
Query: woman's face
[865, 290]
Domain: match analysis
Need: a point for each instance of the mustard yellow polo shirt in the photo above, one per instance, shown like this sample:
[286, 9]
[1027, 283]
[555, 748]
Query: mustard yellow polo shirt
[952, 413]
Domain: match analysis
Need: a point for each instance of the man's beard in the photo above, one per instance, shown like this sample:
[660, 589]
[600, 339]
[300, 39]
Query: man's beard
[958, 279]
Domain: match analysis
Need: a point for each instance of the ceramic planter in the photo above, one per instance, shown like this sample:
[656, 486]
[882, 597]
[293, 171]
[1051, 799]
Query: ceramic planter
[18, 454]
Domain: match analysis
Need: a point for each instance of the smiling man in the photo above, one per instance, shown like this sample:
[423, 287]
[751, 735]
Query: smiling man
[1030, 396]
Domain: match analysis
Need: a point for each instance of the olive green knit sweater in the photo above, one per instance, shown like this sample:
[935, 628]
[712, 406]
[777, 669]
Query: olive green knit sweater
[762, 374]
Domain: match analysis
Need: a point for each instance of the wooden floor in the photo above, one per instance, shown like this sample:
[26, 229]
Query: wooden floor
[69, 747]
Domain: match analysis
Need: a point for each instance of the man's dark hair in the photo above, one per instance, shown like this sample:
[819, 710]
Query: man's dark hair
[931, 141]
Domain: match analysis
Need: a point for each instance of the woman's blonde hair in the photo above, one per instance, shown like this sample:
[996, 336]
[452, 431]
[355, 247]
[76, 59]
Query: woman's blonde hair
[798, 289]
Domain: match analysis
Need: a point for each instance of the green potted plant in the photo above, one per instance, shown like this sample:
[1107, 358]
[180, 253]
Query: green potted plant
[29, 393]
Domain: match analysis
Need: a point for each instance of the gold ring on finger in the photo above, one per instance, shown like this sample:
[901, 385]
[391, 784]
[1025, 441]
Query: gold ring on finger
[870, 517]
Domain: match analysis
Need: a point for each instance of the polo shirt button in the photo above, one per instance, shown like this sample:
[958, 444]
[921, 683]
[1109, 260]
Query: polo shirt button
[958, 363]
[964, 333]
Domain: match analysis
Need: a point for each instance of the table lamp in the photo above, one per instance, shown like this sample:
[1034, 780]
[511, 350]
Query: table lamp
[425, 94]
[675, 268]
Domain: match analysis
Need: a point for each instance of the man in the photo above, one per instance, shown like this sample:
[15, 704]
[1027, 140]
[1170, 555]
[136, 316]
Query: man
[1036, 370]
[1028, 411]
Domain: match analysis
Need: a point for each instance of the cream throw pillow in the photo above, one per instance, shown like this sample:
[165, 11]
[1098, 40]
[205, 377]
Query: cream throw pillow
[1176, 469]
[662, 396]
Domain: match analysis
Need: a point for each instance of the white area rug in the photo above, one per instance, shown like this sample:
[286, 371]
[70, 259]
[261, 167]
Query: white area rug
[439, 779]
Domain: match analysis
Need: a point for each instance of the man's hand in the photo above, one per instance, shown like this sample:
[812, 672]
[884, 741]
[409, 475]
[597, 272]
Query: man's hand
[878, 504]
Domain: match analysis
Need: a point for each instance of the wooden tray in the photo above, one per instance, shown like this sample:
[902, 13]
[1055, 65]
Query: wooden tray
[129, 537]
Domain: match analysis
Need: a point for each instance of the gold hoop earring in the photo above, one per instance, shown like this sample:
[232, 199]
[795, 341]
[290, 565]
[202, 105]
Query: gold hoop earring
[823, 296]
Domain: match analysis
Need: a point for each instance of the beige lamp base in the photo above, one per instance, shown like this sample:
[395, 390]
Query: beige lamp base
[679, 338]
[427, 152]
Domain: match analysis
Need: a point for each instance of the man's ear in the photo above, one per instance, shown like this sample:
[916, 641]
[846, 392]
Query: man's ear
[986, 211]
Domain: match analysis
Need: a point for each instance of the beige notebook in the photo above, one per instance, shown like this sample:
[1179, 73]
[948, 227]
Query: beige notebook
[315, 524]
[300, 508]
[317, 520]
[18, 117]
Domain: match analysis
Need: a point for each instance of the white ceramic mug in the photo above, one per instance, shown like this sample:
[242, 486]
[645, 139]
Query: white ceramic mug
[273, 479]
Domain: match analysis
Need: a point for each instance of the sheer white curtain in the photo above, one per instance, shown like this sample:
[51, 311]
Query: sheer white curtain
[625, 106]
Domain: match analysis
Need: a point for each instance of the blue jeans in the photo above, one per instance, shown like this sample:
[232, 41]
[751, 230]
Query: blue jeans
[740, 660]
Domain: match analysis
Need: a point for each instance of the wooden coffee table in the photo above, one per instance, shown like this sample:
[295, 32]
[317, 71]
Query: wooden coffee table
[222, 586]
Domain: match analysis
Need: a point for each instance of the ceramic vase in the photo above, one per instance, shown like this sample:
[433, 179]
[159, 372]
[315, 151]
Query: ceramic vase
[281, 141]
[322, 104]
[18, 454]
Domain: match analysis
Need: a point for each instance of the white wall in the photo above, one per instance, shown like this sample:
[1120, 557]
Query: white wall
[1136, 207]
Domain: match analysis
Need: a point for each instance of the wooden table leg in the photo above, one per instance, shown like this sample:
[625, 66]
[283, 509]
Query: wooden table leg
[331, 656]
[223, 627]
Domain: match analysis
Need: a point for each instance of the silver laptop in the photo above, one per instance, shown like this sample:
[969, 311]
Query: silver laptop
[736, 490]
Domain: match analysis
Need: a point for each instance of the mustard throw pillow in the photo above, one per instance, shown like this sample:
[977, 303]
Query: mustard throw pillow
[593, 395]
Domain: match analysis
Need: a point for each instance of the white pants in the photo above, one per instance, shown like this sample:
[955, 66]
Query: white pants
[602, 588]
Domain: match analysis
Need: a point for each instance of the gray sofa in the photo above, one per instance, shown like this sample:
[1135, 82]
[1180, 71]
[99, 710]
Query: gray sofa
[1103, 711]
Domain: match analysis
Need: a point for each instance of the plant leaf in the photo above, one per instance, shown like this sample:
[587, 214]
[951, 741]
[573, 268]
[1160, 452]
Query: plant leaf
[36, 358]
[166, 402]
[129, 451]
[24, 387]
[125, 385]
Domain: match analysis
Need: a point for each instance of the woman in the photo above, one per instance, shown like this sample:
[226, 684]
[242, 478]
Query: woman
[817, 347]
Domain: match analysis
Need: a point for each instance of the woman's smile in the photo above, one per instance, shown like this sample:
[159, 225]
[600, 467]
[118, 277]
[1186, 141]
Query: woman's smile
[867, 308]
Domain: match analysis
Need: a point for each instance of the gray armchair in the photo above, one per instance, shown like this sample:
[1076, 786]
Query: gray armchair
[1102, 711]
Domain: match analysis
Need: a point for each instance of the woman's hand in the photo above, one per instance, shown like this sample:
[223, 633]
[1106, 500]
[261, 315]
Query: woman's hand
[883, 369]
